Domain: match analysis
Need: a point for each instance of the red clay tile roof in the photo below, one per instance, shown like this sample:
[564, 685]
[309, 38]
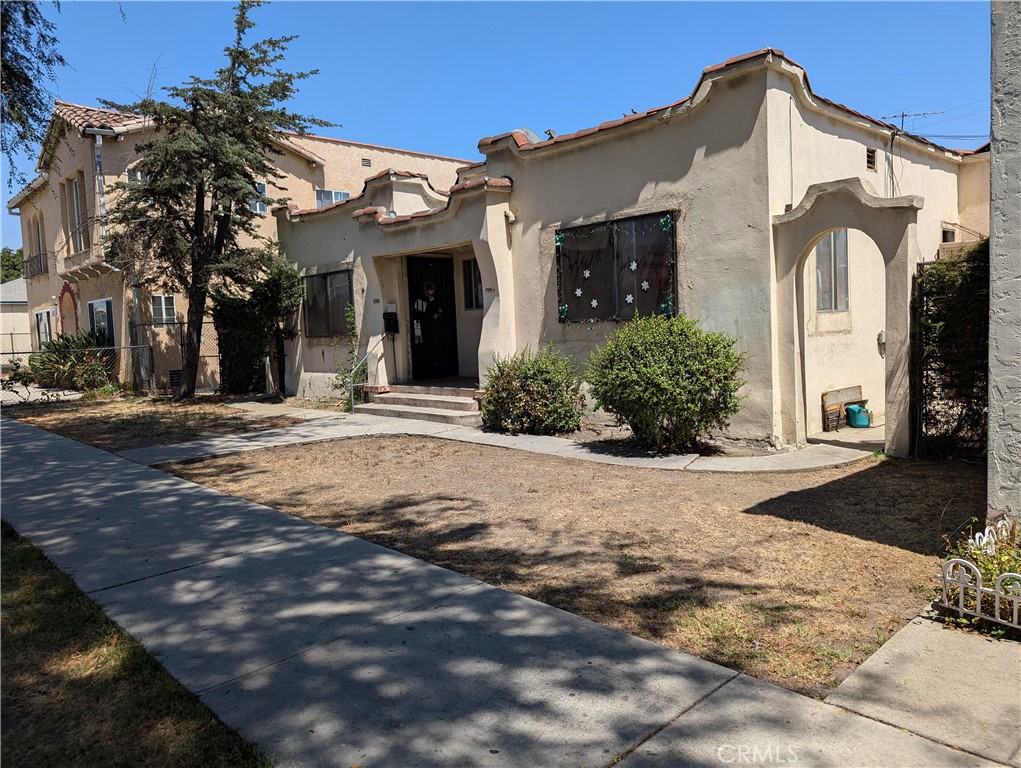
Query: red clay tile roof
[82, 118]
[522, 142]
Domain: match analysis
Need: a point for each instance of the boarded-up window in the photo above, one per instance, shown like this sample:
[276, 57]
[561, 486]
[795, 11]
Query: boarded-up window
[327, 297]
[617, 270]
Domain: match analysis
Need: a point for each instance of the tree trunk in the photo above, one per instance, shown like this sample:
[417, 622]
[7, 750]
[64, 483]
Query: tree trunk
[192, 341]
[277, 369]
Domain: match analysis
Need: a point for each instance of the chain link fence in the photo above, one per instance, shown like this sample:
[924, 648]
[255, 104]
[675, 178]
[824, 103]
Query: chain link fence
[158, 361]
[154, 362]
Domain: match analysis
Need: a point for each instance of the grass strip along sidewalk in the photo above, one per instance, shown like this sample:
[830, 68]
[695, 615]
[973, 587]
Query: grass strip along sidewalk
[78, 691]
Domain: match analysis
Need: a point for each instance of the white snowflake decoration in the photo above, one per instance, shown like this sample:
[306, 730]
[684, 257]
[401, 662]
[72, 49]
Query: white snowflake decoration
[586, 274]
[645, 285]
[595, 303]
[634, 265]
[577, 292]
[629, 299]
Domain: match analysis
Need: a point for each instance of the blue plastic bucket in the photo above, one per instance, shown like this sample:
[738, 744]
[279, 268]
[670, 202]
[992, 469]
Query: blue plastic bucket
[858, 417]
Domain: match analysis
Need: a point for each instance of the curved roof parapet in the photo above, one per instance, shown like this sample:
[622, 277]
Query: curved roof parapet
[521, 144]
[855, 187]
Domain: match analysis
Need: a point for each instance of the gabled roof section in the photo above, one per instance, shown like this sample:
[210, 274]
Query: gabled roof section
[523, 145]
[284, 142]
[14, 292]
[345, 142]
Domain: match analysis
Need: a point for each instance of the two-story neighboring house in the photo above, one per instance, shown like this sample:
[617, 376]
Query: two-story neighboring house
[72, 285]
[755, 205]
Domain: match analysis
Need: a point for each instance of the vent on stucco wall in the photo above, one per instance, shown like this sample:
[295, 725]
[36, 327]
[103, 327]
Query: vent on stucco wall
[366, 162]
[870, 159]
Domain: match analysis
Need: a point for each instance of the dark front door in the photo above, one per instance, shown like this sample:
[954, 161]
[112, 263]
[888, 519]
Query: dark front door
[433, 320]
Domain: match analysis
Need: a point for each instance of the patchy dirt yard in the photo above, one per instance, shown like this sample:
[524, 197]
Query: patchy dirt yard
[134, 422]
[792, 578]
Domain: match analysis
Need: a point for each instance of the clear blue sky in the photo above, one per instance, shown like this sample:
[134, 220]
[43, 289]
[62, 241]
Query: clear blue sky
[437, 77]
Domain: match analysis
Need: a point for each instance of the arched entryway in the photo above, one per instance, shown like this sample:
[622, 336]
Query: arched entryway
[841, 323]
[890, 224]
[67, 305]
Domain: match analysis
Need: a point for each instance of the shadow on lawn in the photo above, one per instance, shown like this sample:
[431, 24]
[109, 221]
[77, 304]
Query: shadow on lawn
[902, 503]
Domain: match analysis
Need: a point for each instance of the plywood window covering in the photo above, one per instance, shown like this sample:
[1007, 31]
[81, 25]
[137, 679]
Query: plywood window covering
[327, 297]
[617, 270]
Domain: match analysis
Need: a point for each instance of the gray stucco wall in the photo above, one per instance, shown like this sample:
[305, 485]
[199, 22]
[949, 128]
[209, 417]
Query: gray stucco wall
[1005, 266]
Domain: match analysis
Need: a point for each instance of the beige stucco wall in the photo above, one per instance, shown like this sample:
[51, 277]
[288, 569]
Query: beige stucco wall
[973, 193]
[1004, 472]
[15, 332]
[344, 170]
[746, 146]
[333, 240]
[841, 349]
[708, 172]
[813, 143]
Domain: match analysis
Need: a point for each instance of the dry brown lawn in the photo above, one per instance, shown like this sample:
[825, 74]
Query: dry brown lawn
[793, 578]
[134, 422]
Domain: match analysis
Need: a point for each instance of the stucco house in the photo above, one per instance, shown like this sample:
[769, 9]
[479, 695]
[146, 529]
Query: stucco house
[14, 333]
[70, 283]
[755, 205]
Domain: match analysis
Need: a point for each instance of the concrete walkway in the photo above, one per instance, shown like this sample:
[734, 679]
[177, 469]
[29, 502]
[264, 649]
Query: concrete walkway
[332, 425]
[326, 650]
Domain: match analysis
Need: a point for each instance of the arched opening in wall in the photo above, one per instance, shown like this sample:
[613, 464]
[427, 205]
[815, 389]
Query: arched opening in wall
[68, 308]
[841, 306]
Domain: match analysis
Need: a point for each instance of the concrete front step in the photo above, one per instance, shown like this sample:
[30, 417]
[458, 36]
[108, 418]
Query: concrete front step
[447, 402]
[442, 415]
[421, 389]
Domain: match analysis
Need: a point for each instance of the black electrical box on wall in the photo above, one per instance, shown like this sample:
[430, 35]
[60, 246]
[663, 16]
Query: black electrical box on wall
[390, 323]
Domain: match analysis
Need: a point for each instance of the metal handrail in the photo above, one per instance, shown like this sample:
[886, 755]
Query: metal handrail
[354, 369]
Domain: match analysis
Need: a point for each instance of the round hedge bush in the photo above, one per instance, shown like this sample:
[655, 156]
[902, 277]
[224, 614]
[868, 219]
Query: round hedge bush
[667, 379]
[534, 393]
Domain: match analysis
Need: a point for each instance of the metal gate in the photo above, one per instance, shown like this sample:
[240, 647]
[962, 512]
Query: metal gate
[949, 385]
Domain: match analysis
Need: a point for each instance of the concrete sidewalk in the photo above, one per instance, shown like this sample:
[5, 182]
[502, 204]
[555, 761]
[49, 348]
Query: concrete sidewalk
[331, 425]
[327, 650]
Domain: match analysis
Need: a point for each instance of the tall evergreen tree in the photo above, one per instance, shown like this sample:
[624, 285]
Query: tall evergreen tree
[11, 264]
[30, 60]
[187, 220]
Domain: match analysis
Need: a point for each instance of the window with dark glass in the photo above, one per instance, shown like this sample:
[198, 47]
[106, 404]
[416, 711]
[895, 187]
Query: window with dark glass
[472, 284]
[616, 270]
[831, 294]
[327, 297]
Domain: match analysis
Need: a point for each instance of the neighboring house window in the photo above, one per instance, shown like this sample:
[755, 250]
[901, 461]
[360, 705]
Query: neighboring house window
[616, 270]
[74, 213]
[949, 235]
[472, 284]
[325, 197]
[255, 205]
[831, 272]
[101, 318]
[326, 300]
[43, 328]
[135, 176]
[163, 313]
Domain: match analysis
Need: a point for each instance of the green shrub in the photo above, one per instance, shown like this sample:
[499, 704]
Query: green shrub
[667, 379]
[81, 361]
[535, 393]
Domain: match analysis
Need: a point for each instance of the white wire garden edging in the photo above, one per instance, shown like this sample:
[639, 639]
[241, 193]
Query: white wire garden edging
[962, 584]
